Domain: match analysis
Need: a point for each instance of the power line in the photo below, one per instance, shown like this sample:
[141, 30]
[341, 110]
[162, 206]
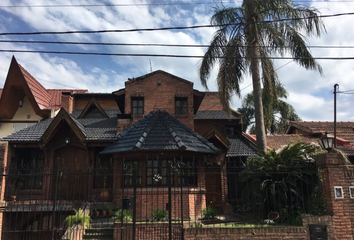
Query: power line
[151, 44]
[170, 28]
[160, 55]
[147, 4]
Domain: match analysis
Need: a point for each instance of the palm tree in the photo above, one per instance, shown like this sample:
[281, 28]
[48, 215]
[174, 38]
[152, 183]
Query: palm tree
[246, 39]
[277, 115]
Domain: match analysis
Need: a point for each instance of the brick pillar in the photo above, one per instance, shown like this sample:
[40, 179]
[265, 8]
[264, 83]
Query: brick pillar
[123, 124]
[332, 166]
[67, 101]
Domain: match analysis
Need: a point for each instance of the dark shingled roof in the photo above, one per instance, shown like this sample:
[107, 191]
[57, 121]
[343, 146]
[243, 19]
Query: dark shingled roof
[160, 131]
[104, 129]
[240, 147]
[30, 134]
[215, 114]
[110, 112]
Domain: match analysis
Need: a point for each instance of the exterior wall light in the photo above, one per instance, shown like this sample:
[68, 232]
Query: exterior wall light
[67, 141]
[21, 102]
[326, 142]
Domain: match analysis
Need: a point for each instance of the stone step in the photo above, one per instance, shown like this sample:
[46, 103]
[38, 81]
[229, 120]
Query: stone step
[98, 234]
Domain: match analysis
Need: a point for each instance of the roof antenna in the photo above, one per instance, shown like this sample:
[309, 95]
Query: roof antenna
[150, 65]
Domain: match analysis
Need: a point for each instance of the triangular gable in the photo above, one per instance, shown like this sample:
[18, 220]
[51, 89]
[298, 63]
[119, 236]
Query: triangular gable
[63, 115]
[19, 83]
[87, 109]
[130, 80]
[214, 132]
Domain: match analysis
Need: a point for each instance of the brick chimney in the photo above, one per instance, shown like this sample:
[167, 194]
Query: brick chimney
[124, 122]
[67, 101]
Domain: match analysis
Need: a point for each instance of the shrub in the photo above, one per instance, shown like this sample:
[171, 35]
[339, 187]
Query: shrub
[209, 213]
[159, 214]
[125, 214]
[79, 218]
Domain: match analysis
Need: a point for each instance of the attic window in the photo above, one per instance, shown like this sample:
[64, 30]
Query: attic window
[181, 106]
[137, 105]
[93, 112]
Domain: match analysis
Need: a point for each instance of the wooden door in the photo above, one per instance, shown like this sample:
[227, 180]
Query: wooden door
[213, 186]
[73, 173]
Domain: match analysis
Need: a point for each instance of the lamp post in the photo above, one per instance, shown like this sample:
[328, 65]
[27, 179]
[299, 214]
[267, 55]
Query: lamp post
[336, 87]
[326, 142]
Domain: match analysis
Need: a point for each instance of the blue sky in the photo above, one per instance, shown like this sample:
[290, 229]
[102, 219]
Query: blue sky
[309, 92]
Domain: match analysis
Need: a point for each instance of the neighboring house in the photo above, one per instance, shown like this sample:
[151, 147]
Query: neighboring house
[24, 101]
[345, 133]
[158, 120]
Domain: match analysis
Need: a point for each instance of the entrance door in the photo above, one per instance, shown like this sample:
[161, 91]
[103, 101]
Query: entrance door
[73, 173]
[213, 186]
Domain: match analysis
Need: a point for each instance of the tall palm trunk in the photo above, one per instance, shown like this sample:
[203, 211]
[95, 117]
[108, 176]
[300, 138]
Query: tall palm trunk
[257, 95]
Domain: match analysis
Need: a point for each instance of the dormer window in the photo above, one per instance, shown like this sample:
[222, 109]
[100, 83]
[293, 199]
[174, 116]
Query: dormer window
[181, 106]
[138, 106]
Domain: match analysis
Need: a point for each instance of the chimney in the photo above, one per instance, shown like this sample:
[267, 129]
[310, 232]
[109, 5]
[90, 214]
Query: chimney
[124, 122]
[67, 101]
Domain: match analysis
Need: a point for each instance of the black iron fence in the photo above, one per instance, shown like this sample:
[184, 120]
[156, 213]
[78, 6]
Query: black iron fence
[154, 200]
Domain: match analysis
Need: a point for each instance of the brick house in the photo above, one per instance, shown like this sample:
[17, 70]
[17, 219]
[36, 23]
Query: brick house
[87, 153]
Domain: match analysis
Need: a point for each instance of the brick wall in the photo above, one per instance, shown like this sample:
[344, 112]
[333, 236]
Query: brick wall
[161, 96]
[333, 168]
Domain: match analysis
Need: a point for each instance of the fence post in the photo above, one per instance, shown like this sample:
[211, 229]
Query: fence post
[134, 201]
[55, 196]
[169, 203]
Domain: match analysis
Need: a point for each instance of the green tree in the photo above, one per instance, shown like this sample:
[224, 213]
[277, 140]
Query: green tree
[244, 42]
[276, 115]
[286, 182]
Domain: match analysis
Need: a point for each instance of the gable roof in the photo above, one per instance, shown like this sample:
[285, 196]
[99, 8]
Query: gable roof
[214, 132]
[20, 83]
[160, 131]
[130, 80]
[89, 129]
[94, 103]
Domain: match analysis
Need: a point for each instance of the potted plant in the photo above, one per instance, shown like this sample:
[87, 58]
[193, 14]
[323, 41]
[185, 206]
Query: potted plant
[110, 208]
[209, 215]
[104, 210]
[125, 214]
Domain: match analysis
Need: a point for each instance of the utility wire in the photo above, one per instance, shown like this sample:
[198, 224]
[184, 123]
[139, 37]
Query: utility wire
[170, 28]
[152, 44]
[147, 4]
[161, 55]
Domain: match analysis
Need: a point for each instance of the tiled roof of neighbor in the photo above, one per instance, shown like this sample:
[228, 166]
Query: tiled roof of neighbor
[104, 129]
[39, 92]
[55, 95]
[215, 114]
[240, 147]
[277, 141]
[321, 127]
[160, 131]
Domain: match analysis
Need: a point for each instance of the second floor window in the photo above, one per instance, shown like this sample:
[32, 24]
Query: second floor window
[137, 105]
[181, 106]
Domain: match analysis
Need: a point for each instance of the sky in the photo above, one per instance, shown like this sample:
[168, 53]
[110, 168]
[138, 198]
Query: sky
[309, 92]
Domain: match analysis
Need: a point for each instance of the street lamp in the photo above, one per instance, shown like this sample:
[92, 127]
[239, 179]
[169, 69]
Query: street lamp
[326, 142]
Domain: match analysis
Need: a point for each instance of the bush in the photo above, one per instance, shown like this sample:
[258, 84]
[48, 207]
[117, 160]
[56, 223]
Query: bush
[159, 214]
[125, 214]
[78, 219]
[209, 213]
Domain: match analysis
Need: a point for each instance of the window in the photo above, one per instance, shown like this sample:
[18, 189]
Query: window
[187, 173]
[181, 106]
[229, 130]
[137, 105]
[128, 173]
[157, 172]
[29, 168]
